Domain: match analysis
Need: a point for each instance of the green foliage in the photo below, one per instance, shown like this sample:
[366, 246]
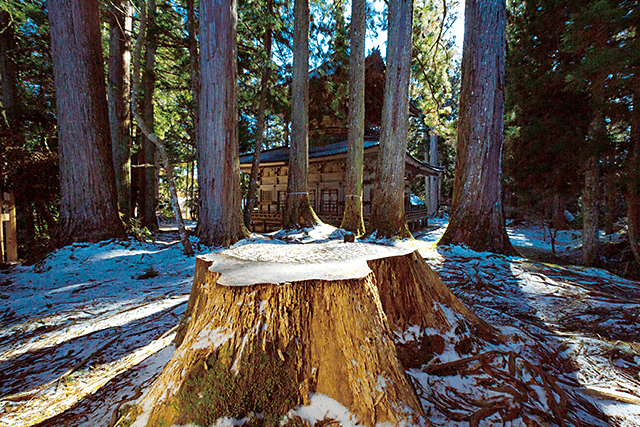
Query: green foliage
[567, 62]
[435, 66]
[253, 20]
[435, 86]
[28, 146]
[127, 415]
[545, 122]
[134, 228]
[265, 384]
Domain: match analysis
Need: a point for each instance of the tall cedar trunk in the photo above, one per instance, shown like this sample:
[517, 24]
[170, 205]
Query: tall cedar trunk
[610, 196]
[150, 189]
[298, 212]
[590, 211]
[252, 195]
[193, 63]
[558, 220]
[195, 92]
[193, 212]
[387, 210]
[220, 212]
[119, 93]
[352, 219]
[9, 76]
[477, 218]
[590, 194]
[88, 202]
[633, 185]
[328, 326]
[434, 191]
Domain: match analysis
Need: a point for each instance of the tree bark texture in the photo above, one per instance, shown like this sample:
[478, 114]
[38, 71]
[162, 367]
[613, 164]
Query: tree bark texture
[119, 94]
[610, 196]
[194, 64]
[252, 195]
[298, 212]
[432, 181]
[150, 189]
[590, 212]
[88, 204]
[352, 219]
[591, 191]
[558, 220]
[220, 212]
[633, 175]
[388, 218]
[336, 333]
[477, 218]
[332, 325]
[9, 74]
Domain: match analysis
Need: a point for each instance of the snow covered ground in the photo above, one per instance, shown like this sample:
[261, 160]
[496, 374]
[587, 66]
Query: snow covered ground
[89, 328]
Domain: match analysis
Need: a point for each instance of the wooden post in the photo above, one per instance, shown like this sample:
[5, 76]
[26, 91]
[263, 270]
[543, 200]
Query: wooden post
[8, 230]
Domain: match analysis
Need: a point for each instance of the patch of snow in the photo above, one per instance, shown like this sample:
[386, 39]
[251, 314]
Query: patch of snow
[84, 302]
[211, 338]
[322, 406]
[310, 252]
[410, 333]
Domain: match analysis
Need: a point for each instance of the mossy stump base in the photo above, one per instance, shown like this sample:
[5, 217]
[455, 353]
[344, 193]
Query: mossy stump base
[271, 334]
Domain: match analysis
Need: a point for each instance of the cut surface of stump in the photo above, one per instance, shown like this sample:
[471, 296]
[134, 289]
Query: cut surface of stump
[261, 336]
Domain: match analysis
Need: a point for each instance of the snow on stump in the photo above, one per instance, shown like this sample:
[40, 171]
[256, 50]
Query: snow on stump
[261, 337]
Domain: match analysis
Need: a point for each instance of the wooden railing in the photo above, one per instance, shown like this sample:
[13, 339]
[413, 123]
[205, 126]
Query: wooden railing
[8, 235]
[266, 221]
[417, 217]
[263, 222]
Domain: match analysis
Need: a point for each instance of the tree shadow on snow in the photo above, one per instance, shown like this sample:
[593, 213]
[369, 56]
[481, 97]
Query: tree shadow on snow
[552, 318]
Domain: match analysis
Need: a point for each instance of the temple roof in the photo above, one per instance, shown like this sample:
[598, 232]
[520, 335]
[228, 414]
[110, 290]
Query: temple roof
[280, 155]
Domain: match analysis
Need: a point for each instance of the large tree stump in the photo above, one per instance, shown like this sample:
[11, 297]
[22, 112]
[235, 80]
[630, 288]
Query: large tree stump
[270, 334]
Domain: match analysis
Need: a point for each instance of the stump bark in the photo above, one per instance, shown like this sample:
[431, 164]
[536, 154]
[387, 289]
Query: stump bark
[271, 334]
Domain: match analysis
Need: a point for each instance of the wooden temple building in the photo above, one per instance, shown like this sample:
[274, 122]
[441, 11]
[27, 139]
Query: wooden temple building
[328, 154]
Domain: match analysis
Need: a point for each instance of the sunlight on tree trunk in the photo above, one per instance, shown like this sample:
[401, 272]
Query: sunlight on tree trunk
[477, 219]
[387, 209]
[88, 204]
[119, 89]
[298, 212]
[149, 157]
[352, 219]
[335, 340]
[220, 213]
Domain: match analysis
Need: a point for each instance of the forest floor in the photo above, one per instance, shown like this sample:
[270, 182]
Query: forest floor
[87, 329]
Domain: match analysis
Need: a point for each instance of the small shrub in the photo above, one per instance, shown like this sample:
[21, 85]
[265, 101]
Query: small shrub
[135, 229]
